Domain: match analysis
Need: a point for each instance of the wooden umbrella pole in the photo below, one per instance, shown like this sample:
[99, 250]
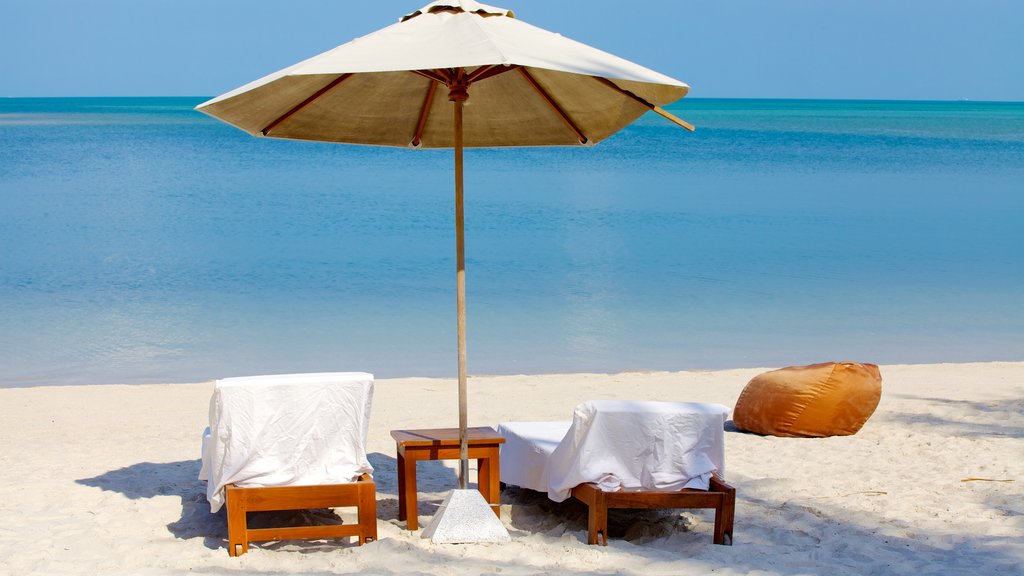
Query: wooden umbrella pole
[458, 97]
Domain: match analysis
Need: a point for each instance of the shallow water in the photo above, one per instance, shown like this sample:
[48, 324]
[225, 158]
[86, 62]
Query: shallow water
[145, 242]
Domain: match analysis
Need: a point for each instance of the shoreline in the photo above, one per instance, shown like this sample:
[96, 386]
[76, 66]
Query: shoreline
[103, 478]
[485, 376]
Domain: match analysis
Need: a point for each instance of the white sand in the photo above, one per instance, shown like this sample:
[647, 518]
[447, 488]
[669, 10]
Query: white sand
[102, 479]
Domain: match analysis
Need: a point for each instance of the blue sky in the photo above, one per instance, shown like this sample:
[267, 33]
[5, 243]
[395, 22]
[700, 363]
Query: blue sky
[863, 49]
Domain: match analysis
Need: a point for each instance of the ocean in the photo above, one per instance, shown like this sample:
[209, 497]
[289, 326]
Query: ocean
[141, 241]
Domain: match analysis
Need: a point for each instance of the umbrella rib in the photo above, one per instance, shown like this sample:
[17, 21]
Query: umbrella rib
[649, 106]
[479, 72]
[485, 72]
[304, 103]
[432, 74]
[427, 101]
[554, 106]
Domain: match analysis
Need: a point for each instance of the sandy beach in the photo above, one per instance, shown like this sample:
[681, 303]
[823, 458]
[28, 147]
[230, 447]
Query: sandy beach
[102, 479]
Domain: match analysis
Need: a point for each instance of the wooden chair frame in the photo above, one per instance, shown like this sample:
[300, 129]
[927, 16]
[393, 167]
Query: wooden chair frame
[720, 497]
[362, 494]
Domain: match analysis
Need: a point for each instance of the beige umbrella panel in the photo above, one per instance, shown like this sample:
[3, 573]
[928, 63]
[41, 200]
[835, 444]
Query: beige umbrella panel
[373, 108]
[454, 74]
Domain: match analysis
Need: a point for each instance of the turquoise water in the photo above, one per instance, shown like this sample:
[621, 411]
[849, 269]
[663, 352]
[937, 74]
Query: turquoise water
[144, 242]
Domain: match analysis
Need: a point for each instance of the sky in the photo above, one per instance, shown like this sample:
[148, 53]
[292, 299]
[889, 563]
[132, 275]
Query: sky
[836, 49]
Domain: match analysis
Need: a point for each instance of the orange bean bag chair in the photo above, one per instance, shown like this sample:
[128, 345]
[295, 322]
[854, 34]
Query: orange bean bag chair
[831, 399]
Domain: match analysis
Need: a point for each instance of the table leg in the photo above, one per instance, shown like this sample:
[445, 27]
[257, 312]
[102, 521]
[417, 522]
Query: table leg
[488, 480]
[401, 482]
[494, 478]
[409, 471]
[483, 484]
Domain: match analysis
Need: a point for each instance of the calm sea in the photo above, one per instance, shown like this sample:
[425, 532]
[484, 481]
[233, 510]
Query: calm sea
[143, 242]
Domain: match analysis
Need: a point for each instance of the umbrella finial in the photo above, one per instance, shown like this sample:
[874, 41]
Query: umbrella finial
[460, 6]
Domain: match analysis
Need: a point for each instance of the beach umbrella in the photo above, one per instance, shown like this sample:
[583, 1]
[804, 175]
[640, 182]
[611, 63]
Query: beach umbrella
[407, 85]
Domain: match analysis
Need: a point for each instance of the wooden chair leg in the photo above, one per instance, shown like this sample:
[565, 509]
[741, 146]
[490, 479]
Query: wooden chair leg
[719, 535]
[597, 520]
[367, 511]
[238, 541]
[725, 512]
[728, 514]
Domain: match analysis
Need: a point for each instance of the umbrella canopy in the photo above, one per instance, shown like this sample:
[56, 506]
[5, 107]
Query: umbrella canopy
[529, 87]
[406, 85]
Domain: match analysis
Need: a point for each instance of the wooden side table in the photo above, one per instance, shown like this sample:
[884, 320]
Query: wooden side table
[443, 444]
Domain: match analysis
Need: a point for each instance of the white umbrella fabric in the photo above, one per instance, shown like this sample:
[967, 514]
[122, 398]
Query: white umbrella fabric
[527, 86]
[530, 87]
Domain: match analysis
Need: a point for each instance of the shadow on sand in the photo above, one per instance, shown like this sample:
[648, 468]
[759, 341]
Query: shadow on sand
[820, 529]
[148, 480]
[974, 419]
[180, 479]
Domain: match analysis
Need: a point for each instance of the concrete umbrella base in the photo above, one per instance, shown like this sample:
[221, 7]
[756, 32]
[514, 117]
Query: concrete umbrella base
[465, 517]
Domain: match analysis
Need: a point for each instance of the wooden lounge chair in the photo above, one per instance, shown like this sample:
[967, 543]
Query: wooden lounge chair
[618, 454]
[720, 497]
[361, 494]
[290, 442]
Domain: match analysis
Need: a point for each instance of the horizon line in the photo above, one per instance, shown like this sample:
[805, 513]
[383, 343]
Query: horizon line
[685, 99]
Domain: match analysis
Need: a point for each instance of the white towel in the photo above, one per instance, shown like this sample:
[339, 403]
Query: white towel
[620, 445]
[287, 430]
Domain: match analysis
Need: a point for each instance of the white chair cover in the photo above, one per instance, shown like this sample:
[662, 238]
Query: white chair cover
[287, 430]
[619, 445]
